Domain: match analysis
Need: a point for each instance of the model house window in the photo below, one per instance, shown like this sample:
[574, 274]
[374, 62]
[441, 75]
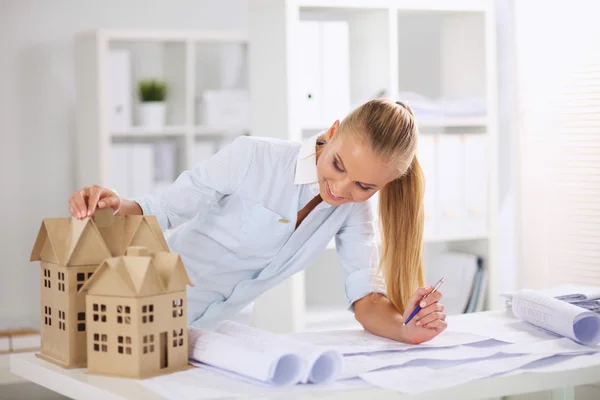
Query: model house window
[177, 308]
[99, 312]
[90, 275]
[61, 281]
[123, 315]
[124, 345]
[177, 337]
[81, 322]
[47, 315]
[100, 342]
[147, 313]
[62, 325]
[148, 344]
[46, 278]
[80, 280]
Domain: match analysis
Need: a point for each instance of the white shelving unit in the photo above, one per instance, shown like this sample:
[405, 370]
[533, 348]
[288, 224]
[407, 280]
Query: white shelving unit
[437, 48]
[191, 62]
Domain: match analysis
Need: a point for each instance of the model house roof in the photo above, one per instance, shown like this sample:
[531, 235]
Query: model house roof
[70, 241]
[139, 274]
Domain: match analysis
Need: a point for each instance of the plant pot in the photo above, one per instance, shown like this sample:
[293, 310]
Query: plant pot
[153, 114]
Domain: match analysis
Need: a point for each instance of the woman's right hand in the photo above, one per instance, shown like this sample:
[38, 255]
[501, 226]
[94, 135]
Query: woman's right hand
[83, 202]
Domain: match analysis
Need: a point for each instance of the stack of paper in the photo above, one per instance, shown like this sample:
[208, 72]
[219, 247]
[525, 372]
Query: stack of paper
[264, 356]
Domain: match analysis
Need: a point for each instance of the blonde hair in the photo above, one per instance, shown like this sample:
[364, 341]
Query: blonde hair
[391, 132]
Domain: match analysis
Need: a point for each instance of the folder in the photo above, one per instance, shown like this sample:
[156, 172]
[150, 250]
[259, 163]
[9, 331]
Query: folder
[309, 73]
[119, 169]
[427, 158]
[476, 187]
[165, 163]
[142, 168]
[450, 185]
[460, 270]
[119, 89]
[335, 70]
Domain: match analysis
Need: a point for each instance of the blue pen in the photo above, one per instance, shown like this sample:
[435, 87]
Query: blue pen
[416, 311]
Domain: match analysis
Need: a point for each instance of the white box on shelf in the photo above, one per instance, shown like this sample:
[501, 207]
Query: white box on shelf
[427, 158]
[225, 108]
[120, 89]
[476, 173]
[450, 185]
[119, 169]
[142, 168]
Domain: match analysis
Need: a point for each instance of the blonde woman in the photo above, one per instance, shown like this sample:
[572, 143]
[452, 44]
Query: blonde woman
[262, 209]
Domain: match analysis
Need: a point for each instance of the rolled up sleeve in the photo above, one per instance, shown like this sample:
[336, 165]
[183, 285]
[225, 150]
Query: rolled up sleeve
[358, 254]
[199, 189]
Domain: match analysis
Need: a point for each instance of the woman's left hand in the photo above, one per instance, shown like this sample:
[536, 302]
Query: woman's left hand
[429, 322]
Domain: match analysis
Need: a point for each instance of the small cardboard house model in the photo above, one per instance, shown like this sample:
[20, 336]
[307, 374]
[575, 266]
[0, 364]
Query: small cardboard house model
[70, 250]
[136, 315]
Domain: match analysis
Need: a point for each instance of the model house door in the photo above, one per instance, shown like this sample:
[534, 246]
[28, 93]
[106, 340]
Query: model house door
[164, 350]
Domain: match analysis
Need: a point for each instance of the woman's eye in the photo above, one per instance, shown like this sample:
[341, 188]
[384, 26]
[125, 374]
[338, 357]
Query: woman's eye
[362, 187]
[336, 166]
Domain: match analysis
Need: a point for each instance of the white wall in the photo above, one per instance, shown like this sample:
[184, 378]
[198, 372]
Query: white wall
[37, 100]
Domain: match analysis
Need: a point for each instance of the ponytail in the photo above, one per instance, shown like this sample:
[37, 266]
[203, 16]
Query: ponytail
[401, 218]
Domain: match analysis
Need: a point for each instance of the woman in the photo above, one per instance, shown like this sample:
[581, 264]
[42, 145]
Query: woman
[261, 209]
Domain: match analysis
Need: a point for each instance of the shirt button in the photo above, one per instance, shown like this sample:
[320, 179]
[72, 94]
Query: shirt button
[283, 220]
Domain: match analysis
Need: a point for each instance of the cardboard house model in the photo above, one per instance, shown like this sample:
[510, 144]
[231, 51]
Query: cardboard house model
[70, 251]
[136, 315]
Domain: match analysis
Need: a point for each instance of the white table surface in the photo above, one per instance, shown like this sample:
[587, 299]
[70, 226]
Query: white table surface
[77, 384]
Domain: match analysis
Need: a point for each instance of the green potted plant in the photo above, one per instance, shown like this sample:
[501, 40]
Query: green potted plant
[152, 109]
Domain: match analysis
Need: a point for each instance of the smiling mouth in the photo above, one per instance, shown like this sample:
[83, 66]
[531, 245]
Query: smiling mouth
[333, 197]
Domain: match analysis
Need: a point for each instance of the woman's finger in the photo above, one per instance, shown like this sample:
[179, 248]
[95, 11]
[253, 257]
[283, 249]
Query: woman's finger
[95, 193]
[110, 201]
[428, 310]
[71, 210]
[439, 325]
[433, 298]
[434, 316]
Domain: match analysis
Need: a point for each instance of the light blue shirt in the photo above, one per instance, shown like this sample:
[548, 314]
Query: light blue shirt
[236, 214]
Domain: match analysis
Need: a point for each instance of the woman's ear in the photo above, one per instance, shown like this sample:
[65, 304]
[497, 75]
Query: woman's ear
[332, 129]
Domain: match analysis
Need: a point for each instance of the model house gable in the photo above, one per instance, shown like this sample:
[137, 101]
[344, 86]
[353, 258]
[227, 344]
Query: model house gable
[172, 271]
[86, 246]
[110, 280]
[146, 235]
[69, 241]
[143, 275]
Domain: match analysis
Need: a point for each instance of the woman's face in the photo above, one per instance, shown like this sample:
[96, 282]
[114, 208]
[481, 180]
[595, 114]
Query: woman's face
[348, 171]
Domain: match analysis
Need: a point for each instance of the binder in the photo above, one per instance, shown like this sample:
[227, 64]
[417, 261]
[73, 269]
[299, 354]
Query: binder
[324, 82]
[119, 169]
[335, 70]
[475, 185]
[120, 89]
[165, 163]
[460, 270]
[427, 158]
[142, 168]
[309, 78]
[450, 185]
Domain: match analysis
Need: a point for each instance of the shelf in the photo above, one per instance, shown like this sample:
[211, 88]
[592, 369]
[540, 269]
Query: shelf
[424, 122]
[406, 5]
[431, 239]
[202, 130]
[330, 318]
[453, 122]
[139, 131]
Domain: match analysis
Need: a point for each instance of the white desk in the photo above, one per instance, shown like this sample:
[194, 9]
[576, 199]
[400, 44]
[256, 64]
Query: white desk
[77, 384]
